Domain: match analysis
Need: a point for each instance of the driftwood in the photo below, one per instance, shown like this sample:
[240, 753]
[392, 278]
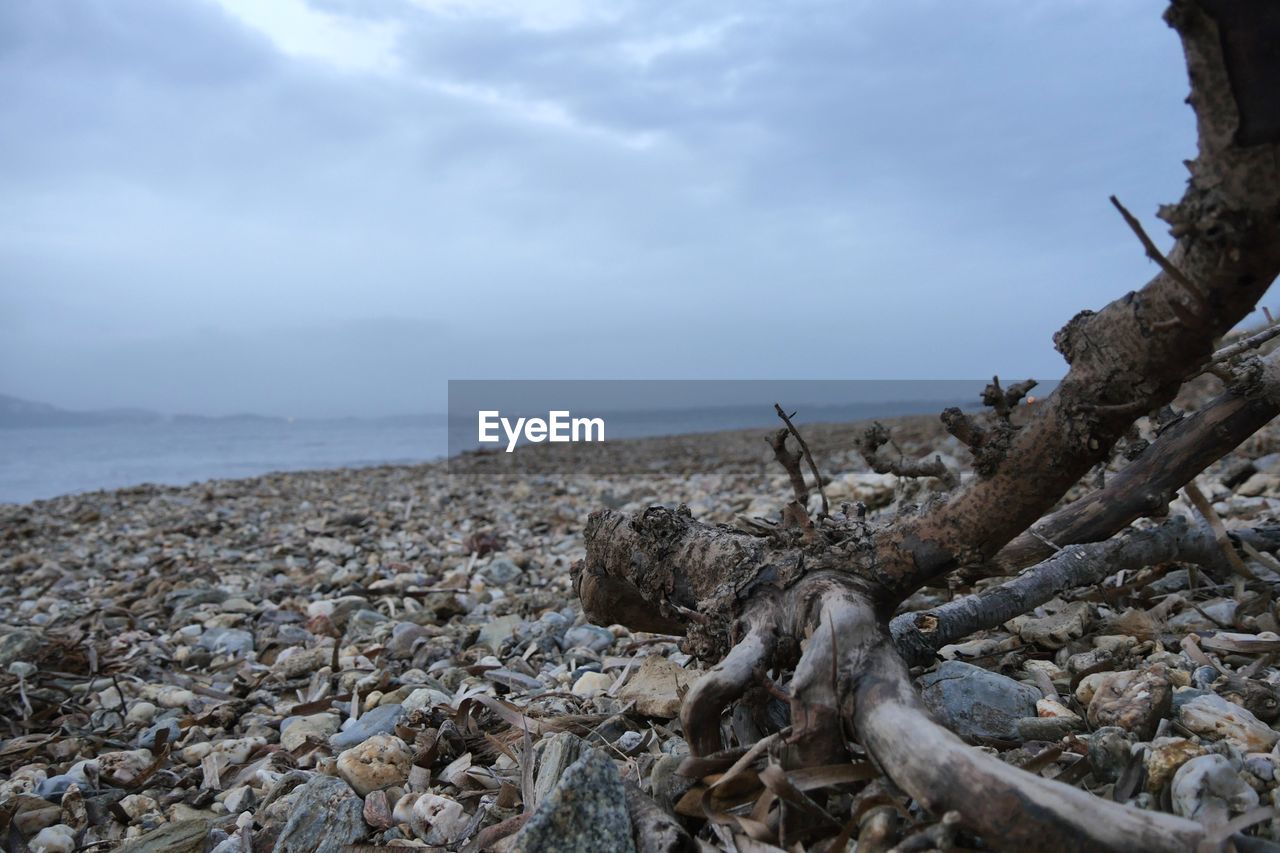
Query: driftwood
[918, 634]
[815, 597]
[1146, 485]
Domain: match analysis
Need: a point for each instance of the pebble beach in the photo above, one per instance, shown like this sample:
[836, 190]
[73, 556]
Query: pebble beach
[394, 657]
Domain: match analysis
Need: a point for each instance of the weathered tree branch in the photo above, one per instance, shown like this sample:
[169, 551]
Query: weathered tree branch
[873, 441]
[1010, 808]
[918, 635]
[1130, 357]
[1147, 484]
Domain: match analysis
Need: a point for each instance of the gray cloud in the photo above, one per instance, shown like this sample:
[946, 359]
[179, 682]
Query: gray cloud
[193, 218]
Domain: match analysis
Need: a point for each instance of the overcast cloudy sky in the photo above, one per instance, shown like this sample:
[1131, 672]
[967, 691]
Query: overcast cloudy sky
[331, 206]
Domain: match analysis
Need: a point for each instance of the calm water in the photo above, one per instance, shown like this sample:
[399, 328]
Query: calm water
[45, 462]
[48, 461]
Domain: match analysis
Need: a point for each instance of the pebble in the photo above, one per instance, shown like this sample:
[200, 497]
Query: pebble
[424, 697]
[591, 637]
[657, 686]
[1088, 686]
[326, 817]
[302, 661]
[58, 838]
[975, 703]
[1133, 700]
[434, 819]
[140, 713]
[1209, 789]
[501, 572]
[1055, 630]
[377, 811]
[379, 762]
[405, 639]
[18, 645]
[497, 631]
[1109, 751]
[227, 641]
[1214, 718]
[380, 720]
[592, 684]
[586, 812]
[147, 738]
[182, 835]
[239, 799]
[1165, 756]
[295, 731]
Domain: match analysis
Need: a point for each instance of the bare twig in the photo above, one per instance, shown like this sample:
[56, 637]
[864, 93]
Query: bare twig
[1252, 342]
[1205, 508]
[1003, 400]
[1154, 253]
[876, 436]
[790, 461]
[813, 466]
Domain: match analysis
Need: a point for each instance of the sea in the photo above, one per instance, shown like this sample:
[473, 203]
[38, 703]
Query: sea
[43, 462]
[47, 461]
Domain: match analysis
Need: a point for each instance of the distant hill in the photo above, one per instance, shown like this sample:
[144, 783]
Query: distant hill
[16, 412]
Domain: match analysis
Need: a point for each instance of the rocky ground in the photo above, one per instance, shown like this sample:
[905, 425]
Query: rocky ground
[394, 657]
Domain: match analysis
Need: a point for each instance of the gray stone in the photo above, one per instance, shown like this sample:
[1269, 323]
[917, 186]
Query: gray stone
[184, 836]
[404, 637]
[227, 641]
[1056, 629]
[333, 547]
[556, 754]
[1175, 581]
[53, 787]
[589, 637]
[1109, 751]
[1209, 789]
[18, 645]
[510, 678]
[975, 703]
[1202, 677]
[1208, 616]
[1047, 728]
[83, 774]
[194, 596]
[325, 818]
[501, 572]
[381, 720]
[147, 740]
[1183, 695]
[362, 624]
[585, 813]
[494, 633]
[552, 624]
[295, 731]
[1215, 718]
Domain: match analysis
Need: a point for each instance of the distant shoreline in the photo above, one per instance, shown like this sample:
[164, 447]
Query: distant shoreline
[690, 452]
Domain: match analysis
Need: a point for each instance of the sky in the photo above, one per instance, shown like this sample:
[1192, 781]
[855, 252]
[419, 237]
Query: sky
[331, 207]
